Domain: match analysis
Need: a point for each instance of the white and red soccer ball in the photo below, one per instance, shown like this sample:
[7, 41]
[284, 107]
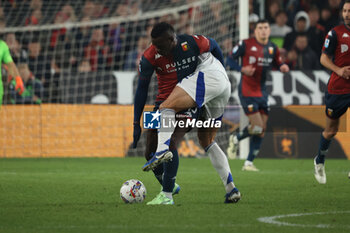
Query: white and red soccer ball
[133, 191]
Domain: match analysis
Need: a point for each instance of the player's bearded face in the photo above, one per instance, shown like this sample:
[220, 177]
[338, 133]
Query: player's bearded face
[346, 14]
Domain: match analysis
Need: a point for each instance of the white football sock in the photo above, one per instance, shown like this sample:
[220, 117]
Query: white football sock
[248, 163]
[220, 163]
[166, 130]
[168, 195]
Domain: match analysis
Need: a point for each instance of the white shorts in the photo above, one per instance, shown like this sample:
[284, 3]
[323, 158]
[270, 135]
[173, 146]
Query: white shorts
[209, 86]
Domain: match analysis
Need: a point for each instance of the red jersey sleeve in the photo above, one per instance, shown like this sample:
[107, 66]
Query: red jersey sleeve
[203, 43]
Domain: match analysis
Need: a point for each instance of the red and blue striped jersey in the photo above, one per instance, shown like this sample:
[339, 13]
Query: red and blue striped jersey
[173, 68]
[260, 56]
[336, 45]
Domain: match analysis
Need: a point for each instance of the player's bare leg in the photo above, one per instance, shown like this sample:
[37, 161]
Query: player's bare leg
[331, 129]
[256, 131]
[329, 132]
[178, 100]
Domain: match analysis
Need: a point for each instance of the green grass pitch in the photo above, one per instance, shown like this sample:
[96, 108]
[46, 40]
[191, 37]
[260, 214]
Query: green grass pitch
[82, 195]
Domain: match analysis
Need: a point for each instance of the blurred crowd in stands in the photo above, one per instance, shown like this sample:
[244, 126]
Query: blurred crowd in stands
[298, 27]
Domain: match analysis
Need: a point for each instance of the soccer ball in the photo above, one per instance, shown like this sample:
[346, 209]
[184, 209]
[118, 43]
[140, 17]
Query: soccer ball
[133, 191]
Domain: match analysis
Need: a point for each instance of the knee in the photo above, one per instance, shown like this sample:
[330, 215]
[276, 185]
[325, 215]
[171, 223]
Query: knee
[164, 105]
[256, 130]
[205, 141]
[330, 133]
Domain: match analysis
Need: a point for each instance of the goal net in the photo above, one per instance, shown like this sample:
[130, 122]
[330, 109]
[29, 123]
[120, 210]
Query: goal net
[79, 62]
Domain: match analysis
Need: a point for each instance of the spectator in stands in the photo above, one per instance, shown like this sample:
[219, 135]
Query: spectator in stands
[34, 90]
[97, 52]
[100, 10]
[121, 10]
[217, 10]
[81, 37]
[19, 55]
[2, 15]
[335, 8]
[272, 8]
[38, 64]
[325, 19]
[36, 5]
[301, 25]
[68, 13]
[182, 21]
[291, 58]
[280, 29]
[134, 56]
[316, 31]
[306, 57]
[84, 66]
[189, 29]
[2, 23]
[330, 14]
[34, 18]
[134, 8]
[88, 9]
[58, 35]
[253, 19]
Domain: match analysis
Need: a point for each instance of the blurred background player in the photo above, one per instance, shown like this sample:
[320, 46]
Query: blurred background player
[336, 57]
[5, 57]
[206, 86]
[258, 56]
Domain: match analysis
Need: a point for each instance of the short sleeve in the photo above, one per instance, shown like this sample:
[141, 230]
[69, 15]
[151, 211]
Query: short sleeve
[203, 43]
[238, 50]
[330, 43]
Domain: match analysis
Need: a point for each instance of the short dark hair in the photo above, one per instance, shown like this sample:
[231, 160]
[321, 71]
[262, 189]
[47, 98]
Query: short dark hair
[160, 28]
[262, 21]
[346, 1]
[280, 12]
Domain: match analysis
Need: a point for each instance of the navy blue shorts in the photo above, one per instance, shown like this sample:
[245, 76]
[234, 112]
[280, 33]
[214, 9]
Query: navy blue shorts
[254, 104]
[336, 105]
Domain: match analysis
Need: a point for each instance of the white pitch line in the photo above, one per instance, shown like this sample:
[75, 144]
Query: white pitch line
[273, 220]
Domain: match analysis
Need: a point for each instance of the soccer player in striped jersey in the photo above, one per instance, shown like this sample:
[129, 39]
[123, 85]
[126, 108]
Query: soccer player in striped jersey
[336, 57]
[258, 56]
[174, 58]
